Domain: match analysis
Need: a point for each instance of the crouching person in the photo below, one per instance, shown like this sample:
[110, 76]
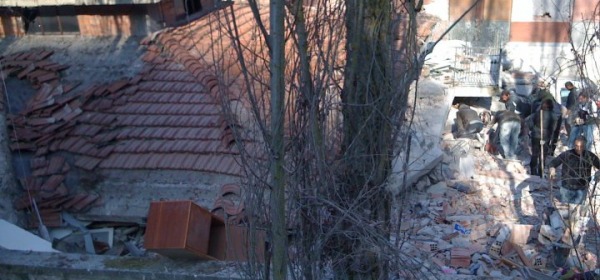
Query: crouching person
[468, 123]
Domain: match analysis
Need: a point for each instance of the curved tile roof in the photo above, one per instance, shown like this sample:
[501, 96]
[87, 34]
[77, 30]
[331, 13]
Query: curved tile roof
[166, 118]
[163, 119]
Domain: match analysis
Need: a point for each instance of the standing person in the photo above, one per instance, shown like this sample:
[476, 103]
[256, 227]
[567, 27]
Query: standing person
[468, 122]
[509, 128]
[513, 102]
[537, 97]
[576, 173]
[571, 103]
[541, 136]
[583, 119]
[538, 94]
[509, 103]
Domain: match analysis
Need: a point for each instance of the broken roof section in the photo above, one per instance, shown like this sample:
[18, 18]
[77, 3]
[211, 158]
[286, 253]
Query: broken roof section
[164, 118]
[161, 118]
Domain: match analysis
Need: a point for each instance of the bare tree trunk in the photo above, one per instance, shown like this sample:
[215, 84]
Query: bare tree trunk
[278, 178]
[367, 128]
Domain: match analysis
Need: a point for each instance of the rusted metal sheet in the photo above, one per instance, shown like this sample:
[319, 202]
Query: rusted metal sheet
[179, 229]
[235, 243]
[184, 229]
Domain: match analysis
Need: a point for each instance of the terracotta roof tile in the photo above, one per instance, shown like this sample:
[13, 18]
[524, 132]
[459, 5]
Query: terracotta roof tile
[65, 144]
[143, 146]
[110, 162]
[87, 163]
[86, 130]
[86, 149]
[53, 182]
[104, 151]
[22, 146]
[131, 90]
[40, 121]
[60, 191]
[48, 76]
[72, 200]
[154, 160]
[84, 203]
[124, 133]
[41, 151]
[105, 137]
[119, 85]
[25, 71]
[217, 162]
[53, 203]
[169, 161]
[43, 54]
[50, 218]
[202, 163]
[38, 162]
[25, 134]
[55, 165]
[122, 100]
[80, 145]
[188, 161]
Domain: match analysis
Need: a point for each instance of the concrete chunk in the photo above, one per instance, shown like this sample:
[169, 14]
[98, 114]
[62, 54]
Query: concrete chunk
[13, 237]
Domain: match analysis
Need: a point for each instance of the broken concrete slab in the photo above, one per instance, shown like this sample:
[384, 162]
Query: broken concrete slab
[13, 237]
[425, 151]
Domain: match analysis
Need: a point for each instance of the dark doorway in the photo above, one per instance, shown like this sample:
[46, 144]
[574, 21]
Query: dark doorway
[192, 6]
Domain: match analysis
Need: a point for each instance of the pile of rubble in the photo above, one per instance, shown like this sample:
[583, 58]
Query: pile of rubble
[487, 217]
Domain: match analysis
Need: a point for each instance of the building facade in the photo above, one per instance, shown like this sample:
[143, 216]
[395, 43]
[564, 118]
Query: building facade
[539, 36]
[97, 17]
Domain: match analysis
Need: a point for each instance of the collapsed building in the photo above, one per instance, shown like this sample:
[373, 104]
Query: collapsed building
[94, 156]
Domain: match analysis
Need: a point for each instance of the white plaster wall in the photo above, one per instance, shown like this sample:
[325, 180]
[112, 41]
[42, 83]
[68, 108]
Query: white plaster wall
[438, 8]
[532, 10]
[581, 33]
[547, 59]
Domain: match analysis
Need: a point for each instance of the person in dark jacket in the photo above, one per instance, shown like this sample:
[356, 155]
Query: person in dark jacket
[509, 129]
[583, 119]
[571, 103]
[576, 171]
[541, 136]
[468, 122]
[537, 97]
[509, 103]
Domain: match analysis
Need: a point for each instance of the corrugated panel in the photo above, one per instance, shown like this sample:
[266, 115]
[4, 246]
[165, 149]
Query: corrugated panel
[543, 32]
